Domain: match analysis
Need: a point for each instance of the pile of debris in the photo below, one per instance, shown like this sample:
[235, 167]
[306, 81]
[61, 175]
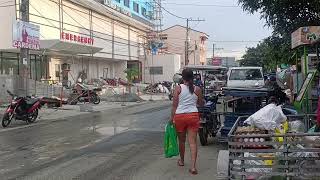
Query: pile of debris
[162, 87]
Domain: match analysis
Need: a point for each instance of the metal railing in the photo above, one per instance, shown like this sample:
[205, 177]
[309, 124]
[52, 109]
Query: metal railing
[291, 158]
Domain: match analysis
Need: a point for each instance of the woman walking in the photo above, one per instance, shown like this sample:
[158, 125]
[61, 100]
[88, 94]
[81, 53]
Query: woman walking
[185, 116]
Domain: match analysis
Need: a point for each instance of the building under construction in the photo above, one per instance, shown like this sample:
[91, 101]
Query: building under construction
[100, 38]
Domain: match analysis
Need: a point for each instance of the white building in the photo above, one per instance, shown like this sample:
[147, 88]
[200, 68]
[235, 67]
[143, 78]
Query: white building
[101, 40]
[160, 68]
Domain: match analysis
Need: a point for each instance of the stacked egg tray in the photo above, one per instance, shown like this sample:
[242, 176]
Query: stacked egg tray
[250, 137]
[266, 154]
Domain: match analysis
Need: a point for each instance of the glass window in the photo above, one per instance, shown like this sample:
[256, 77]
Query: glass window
[10, 66]
[10, 63]
[57, 70]
[44, 67]
[38, 69]
[136, 7]
[118, 1]
[246, 74]
[156, 70]
[127, 3]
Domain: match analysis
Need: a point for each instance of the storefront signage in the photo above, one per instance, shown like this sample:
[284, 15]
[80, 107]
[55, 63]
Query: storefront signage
[117, 8]
[76, 38]
[305, 36]
[216, 61]
[26, 35]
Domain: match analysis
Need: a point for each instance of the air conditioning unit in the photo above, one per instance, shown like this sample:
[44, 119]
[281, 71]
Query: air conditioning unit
[150, 15]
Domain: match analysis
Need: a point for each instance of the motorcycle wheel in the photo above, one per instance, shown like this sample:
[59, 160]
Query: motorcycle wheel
[96, 99]
[216, 125]
[203, 135]
[73, 99]
[6, 120]
[33, 117]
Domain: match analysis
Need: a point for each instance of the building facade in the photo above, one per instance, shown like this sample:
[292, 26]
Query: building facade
[161, 67]
[95, 38]
[175, 42]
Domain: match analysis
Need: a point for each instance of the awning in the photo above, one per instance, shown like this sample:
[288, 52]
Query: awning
[67, 47]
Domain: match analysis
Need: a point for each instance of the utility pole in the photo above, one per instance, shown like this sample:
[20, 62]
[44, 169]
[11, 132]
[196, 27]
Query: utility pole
[24, 60]
[186, 51]
[187, 39]
[213, 50]
[195, 51]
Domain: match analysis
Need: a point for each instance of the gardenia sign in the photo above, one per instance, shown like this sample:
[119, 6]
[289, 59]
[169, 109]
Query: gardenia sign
[26, 35]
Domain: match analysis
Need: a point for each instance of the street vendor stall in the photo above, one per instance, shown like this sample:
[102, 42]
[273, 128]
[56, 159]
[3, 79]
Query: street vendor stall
[240, 102]
[287, 150]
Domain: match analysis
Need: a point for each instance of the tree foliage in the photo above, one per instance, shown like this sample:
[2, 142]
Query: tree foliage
[284, 17]
[270, 52]
[132, 74]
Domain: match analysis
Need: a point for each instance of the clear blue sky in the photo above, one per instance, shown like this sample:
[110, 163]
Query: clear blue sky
[222, 24]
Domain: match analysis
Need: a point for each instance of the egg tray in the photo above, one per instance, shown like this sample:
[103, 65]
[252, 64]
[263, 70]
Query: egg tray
[249, 130]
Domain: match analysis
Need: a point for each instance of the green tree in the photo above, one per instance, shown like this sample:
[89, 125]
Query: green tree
[284, 17]
[270, 52]
[132, 74]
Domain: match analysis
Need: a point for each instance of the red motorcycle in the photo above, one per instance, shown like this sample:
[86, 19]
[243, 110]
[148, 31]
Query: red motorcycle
[22, 108]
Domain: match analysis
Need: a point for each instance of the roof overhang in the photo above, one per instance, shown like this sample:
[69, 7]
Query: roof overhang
[57, 45]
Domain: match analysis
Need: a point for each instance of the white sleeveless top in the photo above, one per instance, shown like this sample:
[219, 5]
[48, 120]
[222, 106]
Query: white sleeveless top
[187, 101]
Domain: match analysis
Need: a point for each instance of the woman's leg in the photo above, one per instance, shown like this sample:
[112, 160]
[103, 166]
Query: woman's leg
[192, 138]
[182, 141]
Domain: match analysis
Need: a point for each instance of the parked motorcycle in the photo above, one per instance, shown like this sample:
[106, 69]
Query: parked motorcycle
[84, 94]
[22, 108]
[209, 122]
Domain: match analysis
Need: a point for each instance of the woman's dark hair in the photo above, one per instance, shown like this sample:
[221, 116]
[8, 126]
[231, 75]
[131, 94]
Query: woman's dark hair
[187, 75]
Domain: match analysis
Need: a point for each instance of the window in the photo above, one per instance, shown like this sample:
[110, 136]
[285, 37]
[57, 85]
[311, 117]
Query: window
[9, 63]
[156, 70]
[118, 1]
[57, 70]
[127, 3]
[144, 12]
[136, 7]
[246, 74]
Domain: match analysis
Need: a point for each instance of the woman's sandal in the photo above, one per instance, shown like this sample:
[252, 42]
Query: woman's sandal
[180, 163]
[193, 172]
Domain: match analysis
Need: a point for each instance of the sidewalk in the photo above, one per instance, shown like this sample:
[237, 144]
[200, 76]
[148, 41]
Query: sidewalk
[74, 110]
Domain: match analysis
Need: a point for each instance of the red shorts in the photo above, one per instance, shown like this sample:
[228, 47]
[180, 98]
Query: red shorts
[188, 121]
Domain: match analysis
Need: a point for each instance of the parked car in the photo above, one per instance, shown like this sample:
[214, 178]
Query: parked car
[245, 77]
[214, 83]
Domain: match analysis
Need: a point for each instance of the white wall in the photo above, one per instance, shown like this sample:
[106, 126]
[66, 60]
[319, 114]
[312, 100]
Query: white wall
[171, 64]
[76, 19]
[7, 17]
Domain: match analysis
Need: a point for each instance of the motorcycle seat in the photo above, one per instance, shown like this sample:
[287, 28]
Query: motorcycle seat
[31, 101]
[204, 110]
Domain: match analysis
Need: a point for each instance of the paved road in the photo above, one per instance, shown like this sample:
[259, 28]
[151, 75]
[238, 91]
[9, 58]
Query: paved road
[125, 144]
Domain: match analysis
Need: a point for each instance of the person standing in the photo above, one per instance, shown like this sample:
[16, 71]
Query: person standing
[186, 100]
